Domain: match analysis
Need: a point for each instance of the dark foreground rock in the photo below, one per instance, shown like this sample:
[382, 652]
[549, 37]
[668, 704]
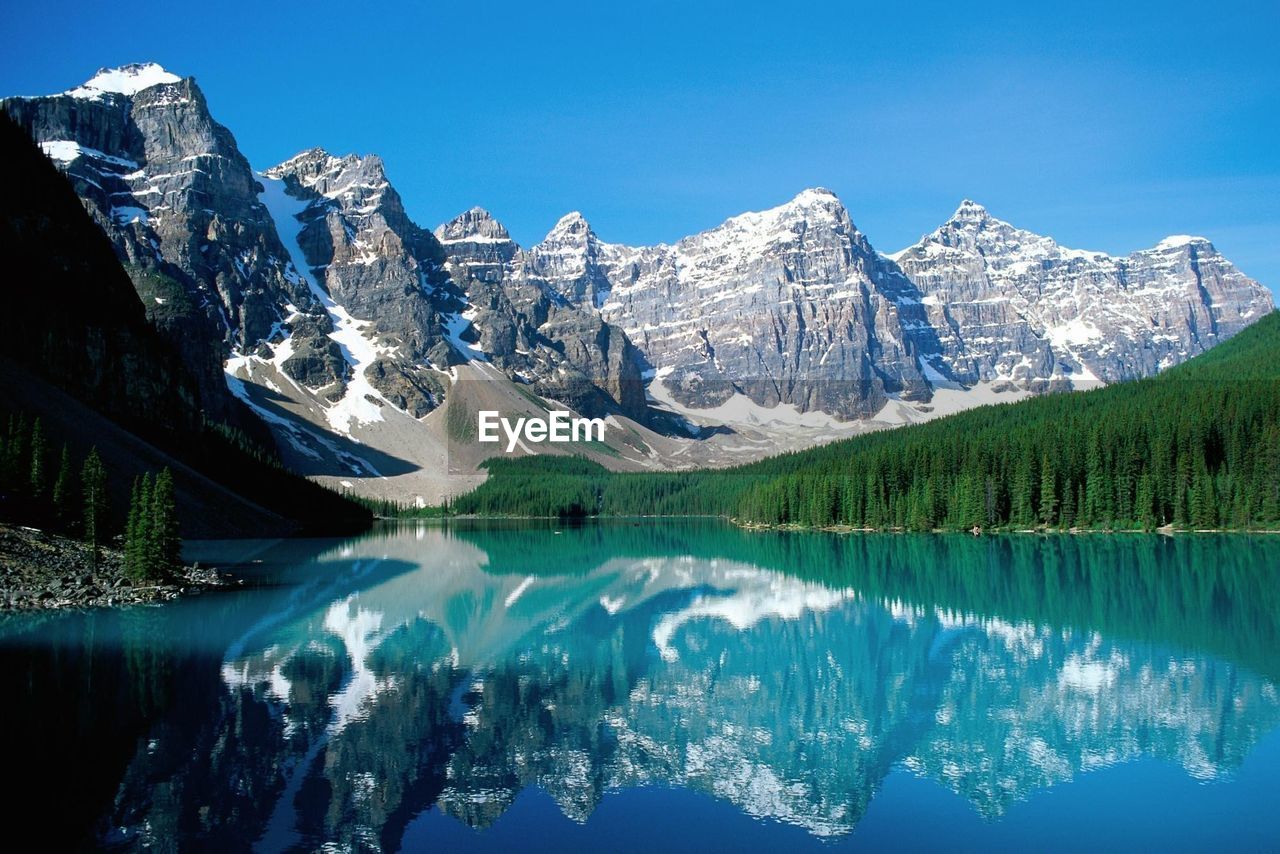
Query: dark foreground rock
[42, 570]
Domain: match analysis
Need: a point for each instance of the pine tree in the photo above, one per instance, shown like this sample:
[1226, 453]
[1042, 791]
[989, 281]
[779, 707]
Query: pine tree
[145, 531]
[39, 452]
[1068, 515]
[133, 558]
[1144, 503]
[93, 477]
[15, 452]
[167, 547]
[1048, 493]
[1020, 513]
[62, 490]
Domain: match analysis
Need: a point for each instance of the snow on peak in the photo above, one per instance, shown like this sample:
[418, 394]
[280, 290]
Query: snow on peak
[815, 200]
[1177, 241]
[970, 211]
[571, 224]
[125, 80]
[334, 176]
[814, 195]
[475, 226]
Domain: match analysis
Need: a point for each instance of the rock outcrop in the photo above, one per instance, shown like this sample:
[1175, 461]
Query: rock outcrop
[1009, 305]
[180, 203]
[566, 352]
[789, 305]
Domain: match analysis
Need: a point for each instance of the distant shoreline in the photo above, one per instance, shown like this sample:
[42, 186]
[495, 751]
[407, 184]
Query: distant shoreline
[1164, 530]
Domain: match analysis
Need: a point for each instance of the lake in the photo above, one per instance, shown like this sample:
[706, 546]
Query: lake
[666, 685]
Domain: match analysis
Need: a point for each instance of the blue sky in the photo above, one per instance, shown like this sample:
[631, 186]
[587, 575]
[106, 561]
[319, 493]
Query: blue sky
[1107, 126]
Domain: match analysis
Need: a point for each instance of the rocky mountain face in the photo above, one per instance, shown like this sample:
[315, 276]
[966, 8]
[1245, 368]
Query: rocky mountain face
[363, 258]
[307, 292]
[566, 351]
[78, 322]
[792, 305]
[312, 266]
[180, 203]
[789, 305]
[1009, 305]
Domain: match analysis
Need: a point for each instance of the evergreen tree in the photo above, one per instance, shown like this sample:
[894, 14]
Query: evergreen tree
[1144, 503]
[93, 477]
[15, 452]
[39, 452]
[1048, 493]
[1068, 515]
[166, 544]
[133, 551]
[62, 490]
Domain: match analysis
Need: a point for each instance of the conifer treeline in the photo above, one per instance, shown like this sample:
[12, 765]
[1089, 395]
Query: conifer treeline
[34, 490]
[1196, 447]
[36, 486]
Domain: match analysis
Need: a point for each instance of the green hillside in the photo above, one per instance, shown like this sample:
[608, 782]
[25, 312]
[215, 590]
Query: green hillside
[1196, 447]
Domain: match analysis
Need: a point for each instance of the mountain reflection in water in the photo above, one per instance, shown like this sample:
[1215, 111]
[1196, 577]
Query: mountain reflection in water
[785, 674]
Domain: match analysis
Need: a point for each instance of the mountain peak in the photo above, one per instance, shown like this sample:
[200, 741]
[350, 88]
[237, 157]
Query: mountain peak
[815, 193]
[970, 211]
[125, 80]
[475, 225]
[301, 160]
[1179, 241]
[330, 175]
[814, 196]
[572, 224]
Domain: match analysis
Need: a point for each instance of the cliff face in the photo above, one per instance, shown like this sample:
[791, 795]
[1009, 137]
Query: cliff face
[528, 328]
[1010, 305]
[80, 354]
[180, 204]
[789, 305]
[75, 318]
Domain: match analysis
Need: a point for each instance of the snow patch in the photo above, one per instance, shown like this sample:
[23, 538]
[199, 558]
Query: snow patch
[361, 403]
[125, 80]
[65, 151]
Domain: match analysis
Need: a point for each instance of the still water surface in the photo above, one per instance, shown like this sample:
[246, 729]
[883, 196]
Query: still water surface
[668, 686]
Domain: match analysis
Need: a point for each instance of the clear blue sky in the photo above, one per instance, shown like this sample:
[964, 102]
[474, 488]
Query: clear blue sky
[1105, 125]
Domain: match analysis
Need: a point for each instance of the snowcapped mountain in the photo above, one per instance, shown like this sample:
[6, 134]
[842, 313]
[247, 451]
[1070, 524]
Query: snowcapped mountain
[786, 306]
[307, 292]
[1056, 317]
[564, 351]
[792, 305]
[179, 201]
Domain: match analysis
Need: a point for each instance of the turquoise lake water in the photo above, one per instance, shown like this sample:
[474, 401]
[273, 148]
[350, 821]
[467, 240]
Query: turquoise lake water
[667, 686]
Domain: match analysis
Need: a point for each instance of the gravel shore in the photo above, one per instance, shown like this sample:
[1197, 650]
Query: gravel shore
[40, 570]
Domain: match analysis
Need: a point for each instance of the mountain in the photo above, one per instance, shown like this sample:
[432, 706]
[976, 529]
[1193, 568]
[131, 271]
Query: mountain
[1051, 316]
[565, 352]
[786, 306]
[367, 343]
[305, 291]
[180, 203]
[78, 321]
[793, 305]
[82, 356]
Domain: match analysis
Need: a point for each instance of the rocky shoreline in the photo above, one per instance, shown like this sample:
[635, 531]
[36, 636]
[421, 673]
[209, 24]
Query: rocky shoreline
[40, 570]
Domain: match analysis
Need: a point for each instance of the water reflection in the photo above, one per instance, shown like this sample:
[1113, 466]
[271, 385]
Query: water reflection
[787, 675]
